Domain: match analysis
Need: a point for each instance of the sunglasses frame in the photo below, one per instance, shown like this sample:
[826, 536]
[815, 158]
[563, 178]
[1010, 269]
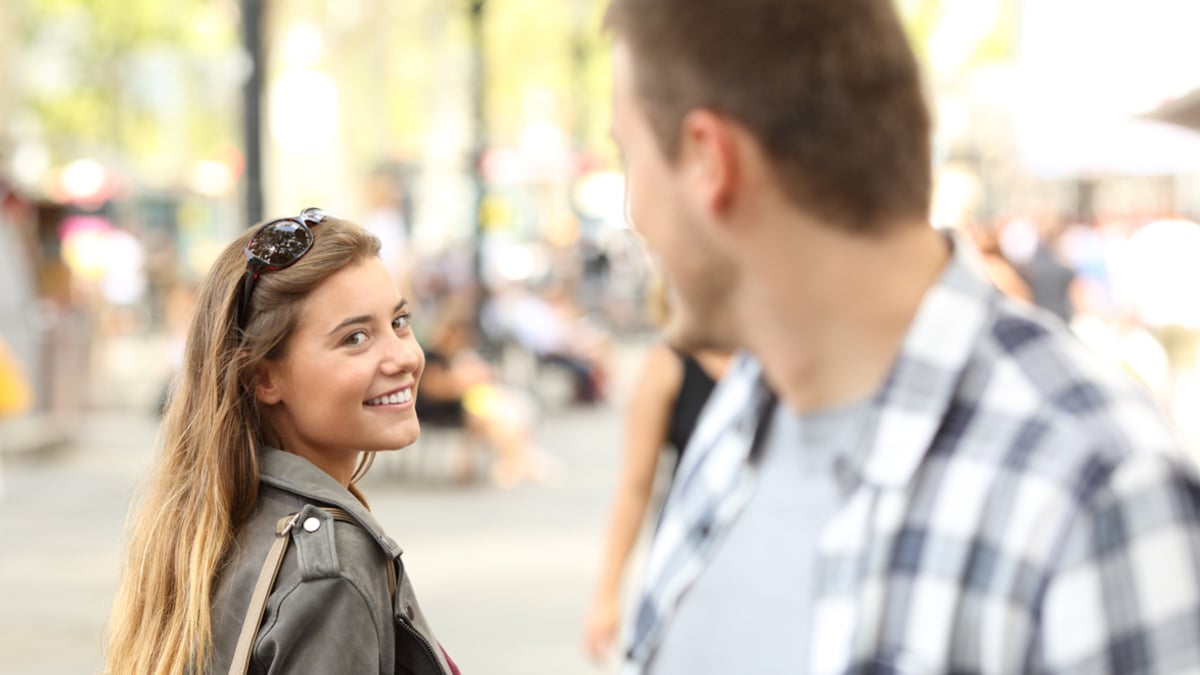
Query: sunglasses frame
[256, 264]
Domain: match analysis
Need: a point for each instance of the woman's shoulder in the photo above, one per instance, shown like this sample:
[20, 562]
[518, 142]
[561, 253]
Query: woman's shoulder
[663, 360]
[658, 379]
[322, 545]
[327, 563]
[327, 542]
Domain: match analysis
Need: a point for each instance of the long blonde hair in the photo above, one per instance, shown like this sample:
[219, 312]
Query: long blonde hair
[205, 483]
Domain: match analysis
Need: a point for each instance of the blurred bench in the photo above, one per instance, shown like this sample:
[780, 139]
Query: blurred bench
[442, 454]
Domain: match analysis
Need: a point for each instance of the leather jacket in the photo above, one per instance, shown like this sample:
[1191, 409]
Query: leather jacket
[331, 610]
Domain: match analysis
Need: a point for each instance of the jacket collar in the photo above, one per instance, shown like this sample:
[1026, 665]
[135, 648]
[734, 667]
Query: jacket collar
[295, 474]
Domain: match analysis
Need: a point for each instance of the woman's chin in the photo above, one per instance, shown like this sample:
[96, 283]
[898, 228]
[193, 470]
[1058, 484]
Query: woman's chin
[399, 440]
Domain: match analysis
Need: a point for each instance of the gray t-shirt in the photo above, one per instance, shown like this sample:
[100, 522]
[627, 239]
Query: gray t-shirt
[749, 610]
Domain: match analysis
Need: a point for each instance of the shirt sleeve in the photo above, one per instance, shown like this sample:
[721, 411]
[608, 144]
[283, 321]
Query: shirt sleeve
[1126, 595]
[322, 626]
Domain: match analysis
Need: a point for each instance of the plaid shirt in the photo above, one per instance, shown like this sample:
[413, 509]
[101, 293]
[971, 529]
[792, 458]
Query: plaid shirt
[1020, 507]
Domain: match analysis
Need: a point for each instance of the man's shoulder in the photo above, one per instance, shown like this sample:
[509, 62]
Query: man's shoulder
[1035, 399]
[1029, 353]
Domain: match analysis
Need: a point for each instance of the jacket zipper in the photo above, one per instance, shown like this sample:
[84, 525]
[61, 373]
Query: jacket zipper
[424, 643]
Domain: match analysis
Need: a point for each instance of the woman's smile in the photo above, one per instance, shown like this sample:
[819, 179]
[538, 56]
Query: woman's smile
[397, 398]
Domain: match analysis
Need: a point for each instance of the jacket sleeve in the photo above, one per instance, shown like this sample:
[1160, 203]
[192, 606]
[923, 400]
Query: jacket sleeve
[322, 626]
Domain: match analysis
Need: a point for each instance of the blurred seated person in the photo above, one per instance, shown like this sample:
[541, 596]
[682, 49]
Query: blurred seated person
[550, 326]
[458, 390]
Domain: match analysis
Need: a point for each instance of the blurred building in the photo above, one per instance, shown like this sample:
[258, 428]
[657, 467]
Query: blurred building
[1039, 106]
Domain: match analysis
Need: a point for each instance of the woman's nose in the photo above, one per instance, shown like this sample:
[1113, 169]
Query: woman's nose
[403, 355]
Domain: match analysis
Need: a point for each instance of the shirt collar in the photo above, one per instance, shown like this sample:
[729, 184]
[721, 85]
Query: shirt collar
[948, 324]
[905, 414]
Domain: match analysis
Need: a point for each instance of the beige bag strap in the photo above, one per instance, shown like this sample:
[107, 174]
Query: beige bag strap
[266, 580]
[258, 601]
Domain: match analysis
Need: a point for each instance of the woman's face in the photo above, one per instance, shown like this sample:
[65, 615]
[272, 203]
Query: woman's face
[348, 377]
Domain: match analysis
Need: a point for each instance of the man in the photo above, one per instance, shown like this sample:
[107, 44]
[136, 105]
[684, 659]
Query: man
[943, 480]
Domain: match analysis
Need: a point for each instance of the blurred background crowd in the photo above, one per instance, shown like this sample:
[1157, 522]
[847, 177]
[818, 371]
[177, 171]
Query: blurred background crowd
[138, 136]
[469, 136]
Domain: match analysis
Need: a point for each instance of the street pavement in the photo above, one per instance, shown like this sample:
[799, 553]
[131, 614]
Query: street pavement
[503, 575]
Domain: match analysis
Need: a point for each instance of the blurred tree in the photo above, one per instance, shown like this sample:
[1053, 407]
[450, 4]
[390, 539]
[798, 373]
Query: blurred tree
[534, 45]
[990, 37]
[143, 83]
[399, 65]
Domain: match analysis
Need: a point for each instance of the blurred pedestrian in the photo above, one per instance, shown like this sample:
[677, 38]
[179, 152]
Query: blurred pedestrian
[299, 365]
[668, 394]
[180, 301]
[1033, 245]
[995, 265]
[385, 219]
[906, 470]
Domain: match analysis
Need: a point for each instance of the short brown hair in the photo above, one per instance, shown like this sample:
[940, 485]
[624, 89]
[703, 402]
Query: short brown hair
[831, 90]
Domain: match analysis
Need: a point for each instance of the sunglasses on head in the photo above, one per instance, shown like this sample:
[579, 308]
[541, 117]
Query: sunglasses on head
[276, 245]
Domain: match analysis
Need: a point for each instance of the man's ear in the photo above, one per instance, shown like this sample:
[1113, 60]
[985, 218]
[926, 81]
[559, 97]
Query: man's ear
[267, 387]
[708, 153]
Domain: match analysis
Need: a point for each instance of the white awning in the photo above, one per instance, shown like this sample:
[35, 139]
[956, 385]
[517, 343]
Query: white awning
[1184, 111]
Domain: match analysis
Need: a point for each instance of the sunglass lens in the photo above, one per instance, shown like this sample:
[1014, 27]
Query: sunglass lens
[280, 243]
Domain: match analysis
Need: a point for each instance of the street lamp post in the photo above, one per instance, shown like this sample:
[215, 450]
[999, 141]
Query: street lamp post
[580, 55]
[252, 104]
[478, 148]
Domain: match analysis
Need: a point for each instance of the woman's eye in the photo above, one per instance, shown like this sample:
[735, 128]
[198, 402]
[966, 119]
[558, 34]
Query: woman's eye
[355, 339]
[400, 322]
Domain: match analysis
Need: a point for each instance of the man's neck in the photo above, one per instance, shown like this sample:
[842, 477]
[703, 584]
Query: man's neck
[831, 310]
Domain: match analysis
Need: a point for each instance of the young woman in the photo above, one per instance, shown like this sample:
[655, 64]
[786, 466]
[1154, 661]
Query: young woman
[664, 406]
[299, 364]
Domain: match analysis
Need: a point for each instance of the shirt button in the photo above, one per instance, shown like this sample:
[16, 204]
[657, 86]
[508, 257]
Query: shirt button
[312, 524]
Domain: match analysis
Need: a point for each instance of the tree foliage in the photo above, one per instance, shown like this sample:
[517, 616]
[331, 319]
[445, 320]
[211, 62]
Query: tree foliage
[136, 80]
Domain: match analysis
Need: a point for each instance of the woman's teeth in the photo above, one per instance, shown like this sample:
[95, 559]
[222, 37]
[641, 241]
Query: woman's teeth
[403, 396]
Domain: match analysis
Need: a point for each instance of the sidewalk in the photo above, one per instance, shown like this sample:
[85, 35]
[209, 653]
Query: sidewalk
[32, 432]
[126, 377]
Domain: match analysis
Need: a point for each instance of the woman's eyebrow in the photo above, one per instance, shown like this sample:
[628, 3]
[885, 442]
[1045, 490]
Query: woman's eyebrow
[365, 318]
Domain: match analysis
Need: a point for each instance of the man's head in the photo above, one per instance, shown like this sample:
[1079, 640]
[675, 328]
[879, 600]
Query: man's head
[830, 89]
[826, 94]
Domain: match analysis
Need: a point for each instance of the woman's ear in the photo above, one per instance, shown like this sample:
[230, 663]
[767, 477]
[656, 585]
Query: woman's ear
[267, 383]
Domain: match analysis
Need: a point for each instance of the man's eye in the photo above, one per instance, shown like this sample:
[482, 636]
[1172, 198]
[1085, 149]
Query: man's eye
[400, 322]
[356, 338]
